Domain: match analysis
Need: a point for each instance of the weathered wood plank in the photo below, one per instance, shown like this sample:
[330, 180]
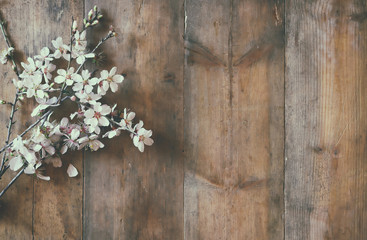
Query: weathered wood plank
[16, 205]
[234, 108]
[128, 194]
[326, 102]
[57, 205]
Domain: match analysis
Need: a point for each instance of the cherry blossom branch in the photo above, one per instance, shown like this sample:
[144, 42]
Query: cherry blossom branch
[44, 117]
[33, 125]
[109, 35]
[50, 139]
[14, 104]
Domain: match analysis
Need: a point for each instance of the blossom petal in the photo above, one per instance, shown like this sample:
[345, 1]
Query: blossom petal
[45, 178]
[130, 116]
[148, 141]
[97, 130]
[88, 88]
[72, 171]
[77, 78]
[59, 79]
[118, 78]
[93, 81]
[141, 147]
[104, 74]
[136, 141]
[89, 113]
[29, 169]
[45, 51]
[103, 121]
[105, 109]
[64, 149]
[74, 134]
[16, 163]
[80, 60]
[113, 71]
[113, 86]
[64, 122]
[61, 72]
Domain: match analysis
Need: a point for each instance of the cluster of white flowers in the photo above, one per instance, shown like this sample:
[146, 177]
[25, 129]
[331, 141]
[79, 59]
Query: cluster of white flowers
[49, 84]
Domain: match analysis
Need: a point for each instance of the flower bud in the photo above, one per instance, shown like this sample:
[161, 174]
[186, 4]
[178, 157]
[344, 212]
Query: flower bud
[75, 25]
[87, 25]
[2, 102]
[95, 22]
[95, 8]
[99, 16]
[90, 14]
[73, 98]
[84, 21]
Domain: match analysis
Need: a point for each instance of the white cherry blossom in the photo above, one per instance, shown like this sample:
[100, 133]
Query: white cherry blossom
[44, 55]
[80, 40]
[61, 49]
[85, 83]
[31, 70]
[143, 137]
[90, 98]
[127, 119]
[71, 141]
[110, 80]
[69, 77]
[46, 69]
[96, 116]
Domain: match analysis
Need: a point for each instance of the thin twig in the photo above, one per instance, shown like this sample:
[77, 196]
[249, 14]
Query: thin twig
[12, 181]
[109, 35]
[6, 38]
[4, 170]
[63, 87]
[14, 104]
[10, 125]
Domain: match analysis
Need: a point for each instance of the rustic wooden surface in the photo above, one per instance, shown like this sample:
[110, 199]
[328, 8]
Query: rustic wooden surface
[326, 107]
[234, 108]
[258, 110]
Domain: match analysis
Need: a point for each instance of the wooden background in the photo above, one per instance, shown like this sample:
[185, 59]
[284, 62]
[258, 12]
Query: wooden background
[259, 112]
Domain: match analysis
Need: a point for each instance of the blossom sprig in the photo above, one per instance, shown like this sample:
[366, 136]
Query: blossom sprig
[93, 18]
[50, 84]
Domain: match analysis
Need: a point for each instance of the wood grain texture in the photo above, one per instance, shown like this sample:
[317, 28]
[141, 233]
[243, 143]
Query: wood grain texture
[34, 208]
[58, 204]
[128, 194]
[16, 208]
[234, 108]
[230, 89]
[325, 169]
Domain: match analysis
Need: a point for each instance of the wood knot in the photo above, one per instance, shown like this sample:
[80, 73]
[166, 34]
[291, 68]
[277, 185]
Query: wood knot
[318, 149]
